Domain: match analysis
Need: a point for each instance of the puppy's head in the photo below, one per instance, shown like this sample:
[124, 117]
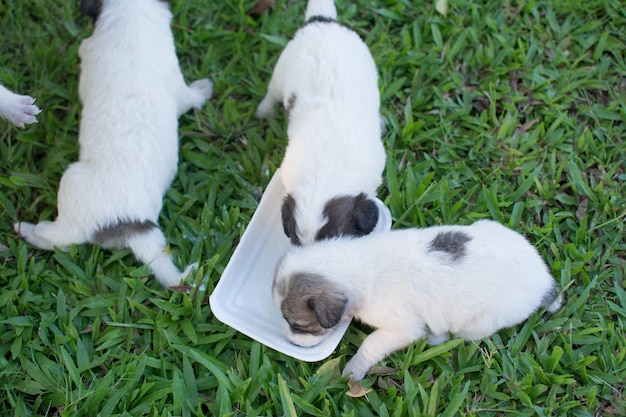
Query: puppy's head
[344, 216]
[310, 305]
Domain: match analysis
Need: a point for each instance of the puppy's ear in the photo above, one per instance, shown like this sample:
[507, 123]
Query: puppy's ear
[365, 214]
[328, 308]
[91, 8]
[348, 216]
[288, 217]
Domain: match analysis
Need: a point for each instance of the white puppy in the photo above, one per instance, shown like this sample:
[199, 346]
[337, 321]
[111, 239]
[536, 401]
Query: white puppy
[464, 281]
[327, 81]
[16, 108]
[132, 92]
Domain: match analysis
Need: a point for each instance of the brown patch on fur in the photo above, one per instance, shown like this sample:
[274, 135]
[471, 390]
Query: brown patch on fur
[122, 230]
[348, 216]
[452, 243]
[288, 218]
[312, 305]
[291, 102]
[320, 19]
[549, 297]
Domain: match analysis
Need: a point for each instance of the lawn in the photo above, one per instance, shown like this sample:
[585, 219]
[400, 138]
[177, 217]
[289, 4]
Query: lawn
[509, 110]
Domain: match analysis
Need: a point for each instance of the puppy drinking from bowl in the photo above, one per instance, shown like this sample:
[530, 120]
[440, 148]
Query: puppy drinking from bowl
[132, 92]
[16, 108]
[327, 82]
[437, 282]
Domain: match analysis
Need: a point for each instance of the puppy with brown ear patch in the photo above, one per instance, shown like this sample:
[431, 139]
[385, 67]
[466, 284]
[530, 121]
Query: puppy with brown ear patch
[437, 282]
[327, 81]
[132, 92]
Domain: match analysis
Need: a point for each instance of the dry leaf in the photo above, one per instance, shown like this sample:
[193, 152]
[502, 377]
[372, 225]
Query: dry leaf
[581, 212]
[181, 288]
[357, 390]
[382, 370]
[442, 6]
[329, 366]
[260, 7]
[527, 126]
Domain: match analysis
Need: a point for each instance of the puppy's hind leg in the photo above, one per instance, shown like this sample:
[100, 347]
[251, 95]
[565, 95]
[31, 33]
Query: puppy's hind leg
[275, 93]
[266, 108]
[150, 248]
[437, 339]
[375, 348]
[194, 95]
[48, 235]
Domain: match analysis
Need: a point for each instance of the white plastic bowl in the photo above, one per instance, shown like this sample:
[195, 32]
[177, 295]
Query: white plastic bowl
[242, 298]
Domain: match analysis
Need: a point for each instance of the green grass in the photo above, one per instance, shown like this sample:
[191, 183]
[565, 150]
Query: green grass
[507, 110]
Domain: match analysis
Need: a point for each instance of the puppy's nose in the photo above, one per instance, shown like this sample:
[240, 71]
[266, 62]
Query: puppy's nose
[302, 339]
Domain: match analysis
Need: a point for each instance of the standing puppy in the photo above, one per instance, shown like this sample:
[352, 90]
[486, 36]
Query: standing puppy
[467, 281]
[327, 81]
[132, 92]
[16, 108]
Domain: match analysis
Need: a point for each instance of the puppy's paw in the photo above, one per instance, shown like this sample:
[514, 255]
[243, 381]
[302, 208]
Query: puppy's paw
[266, 108]
[41, 235]
[190, 268]
[183, 285]
[21, 110]
[24, 229]
[27, 232]
[383, 125]
[356, 368]
[204, 87]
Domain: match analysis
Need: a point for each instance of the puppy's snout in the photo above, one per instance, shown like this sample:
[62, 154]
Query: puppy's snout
[304, 340]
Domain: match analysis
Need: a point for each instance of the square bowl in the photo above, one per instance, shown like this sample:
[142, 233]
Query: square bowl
[242, 298]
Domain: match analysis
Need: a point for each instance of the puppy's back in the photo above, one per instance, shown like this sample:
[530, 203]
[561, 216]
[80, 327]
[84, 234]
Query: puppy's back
[332, 62]
[503, 271]
[132, 47]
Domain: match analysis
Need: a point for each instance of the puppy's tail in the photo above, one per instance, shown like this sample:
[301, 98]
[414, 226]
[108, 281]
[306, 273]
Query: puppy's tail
[552, 300]
[322, 10]
[555, 304]
[150, 248]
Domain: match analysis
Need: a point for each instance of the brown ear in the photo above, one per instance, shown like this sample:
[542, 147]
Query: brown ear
[328, 308]
[365, 214]
[348, 216]
[288, 218]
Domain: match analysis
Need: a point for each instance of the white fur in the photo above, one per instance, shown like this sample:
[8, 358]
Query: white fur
[334, 130]
[17, 109]
[395, 283]
[132, 92]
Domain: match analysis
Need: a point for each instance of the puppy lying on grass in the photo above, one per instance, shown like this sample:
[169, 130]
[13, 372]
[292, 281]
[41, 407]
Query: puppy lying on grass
[463, 281]
[16, 108]
[132, 92]
[327, 81]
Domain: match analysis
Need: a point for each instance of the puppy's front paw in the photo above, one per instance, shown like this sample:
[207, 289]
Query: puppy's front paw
[190, 268]
[22, 110]
[204, 87]
[182, 284]
[24, 229]
[28, 232]
[266, 109]
[356, 368]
